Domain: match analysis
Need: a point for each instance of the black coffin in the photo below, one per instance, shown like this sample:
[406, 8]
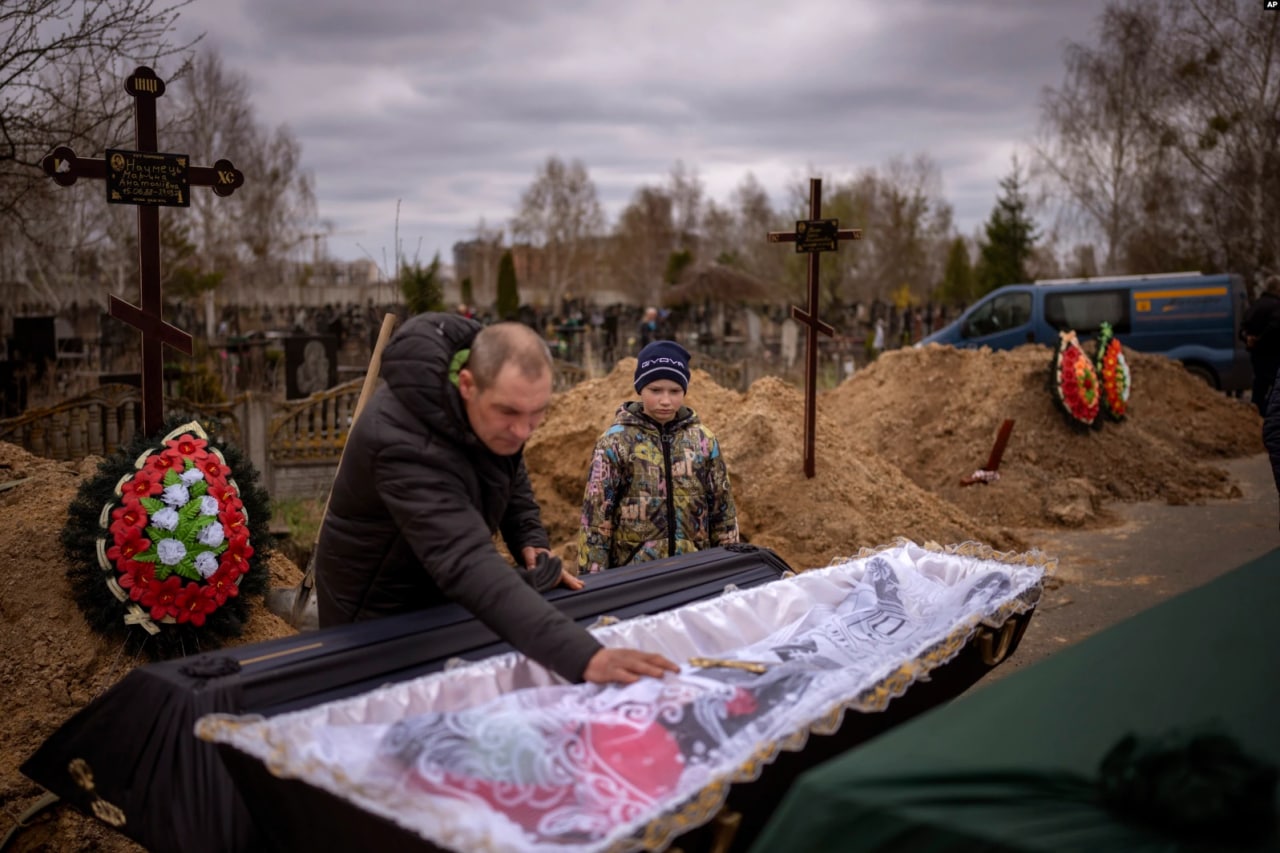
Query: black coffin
[131, 759]
[296, 814]
[287, 809]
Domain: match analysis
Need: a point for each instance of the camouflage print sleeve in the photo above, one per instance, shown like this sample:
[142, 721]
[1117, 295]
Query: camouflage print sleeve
[606, 480]
[724, 514]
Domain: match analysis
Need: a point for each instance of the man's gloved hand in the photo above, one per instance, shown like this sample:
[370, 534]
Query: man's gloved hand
[545, 573]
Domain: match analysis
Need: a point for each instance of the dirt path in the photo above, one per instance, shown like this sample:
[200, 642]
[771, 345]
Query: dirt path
[1109, 574]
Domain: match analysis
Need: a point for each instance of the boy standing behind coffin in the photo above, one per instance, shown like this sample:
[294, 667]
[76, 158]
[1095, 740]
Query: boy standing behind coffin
[658, 484]
[433, 468]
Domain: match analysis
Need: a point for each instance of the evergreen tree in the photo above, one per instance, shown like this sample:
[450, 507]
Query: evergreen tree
[508, 305]
[466, 292]
[421, 286]
[958, 278]
[1011, 236]
[677, 262]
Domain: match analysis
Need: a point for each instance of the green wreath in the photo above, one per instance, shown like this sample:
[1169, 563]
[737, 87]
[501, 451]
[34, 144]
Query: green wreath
[166, 540]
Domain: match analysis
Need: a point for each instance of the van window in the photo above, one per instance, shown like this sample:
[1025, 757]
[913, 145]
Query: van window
[1001, 313]
[1086, 312]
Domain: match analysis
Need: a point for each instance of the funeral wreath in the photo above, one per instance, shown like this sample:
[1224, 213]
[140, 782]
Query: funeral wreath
[1074, 381]
[165, 541]
[1113, 371]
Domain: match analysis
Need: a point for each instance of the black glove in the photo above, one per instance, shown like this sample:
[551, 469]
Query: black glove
[545, 573]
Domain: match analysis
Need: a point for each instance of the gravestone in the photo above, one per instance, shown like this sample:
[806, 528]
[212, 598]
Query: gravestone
[790, 341]
[34, 343]
[311, 365]
[13, 390]
[754, 338]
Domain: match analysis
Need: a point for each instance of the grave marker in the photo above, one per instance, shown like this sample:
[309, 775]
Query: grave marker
[813, 236]
[149, 180]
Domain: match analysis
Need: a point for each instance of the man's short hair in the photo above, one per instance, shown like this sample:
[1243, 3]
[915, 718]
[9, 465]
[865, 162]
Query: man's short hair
[505, 342]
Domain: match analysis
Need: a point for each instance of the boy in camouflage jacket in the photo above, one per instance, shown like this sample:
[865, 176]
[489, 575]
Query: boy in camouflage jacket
[658, 484]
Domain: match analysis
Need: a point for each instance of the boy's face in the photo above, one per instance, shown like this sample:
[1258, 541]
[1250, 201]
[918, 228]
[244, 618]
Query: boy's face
[661, 399]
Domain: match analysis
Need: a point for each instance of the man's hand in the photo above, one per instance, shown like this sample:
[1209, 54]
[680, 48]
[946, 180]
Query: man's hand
[531, 555]
[625, 666]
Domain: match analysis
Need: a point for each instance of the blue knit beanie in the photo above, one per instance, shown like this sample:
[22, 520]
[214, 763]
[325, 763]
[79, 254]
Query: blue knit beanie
[662, 360]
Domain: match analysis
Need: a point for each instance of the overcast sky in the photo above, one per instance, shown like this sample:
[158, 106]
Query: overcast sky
[452, 105]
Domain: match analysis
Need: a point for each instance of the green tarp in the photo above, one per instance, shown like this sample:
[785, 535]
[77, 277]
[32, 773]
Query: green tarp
[1003, 768]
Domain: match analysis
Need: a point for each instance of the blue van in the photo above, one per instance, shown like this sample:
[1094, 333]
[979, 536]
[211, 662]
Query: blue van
[1191, 317]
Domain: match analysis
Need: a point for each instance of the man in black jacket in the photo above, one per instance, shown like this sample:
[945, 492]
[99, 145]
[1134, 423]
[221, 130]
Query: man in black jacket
[432, 469]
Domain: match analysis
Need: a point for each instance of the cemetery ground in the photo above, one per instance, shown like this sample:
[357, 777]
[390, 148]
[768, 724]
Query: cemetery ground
[1134, 512]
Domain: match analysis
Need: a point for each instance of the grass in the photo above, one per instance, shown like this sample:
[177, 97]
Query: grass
[301, 519]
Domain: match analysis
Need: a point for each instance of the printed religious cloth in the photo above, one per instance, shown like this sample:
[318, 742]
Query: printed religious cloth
[501, 755]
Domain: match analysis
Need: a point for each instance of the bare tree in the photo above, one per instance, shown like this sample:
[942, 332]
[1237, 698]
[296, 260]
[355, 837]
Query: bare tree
[687, 204]
[717, 233]
[62, 66]
[560, 215]
[907, 231]
[212, 118]
[914, 223]
[643, 240]
[1165, 137]
[249, 237]
[53, 55]
[755, 217]
[1097, 143]
[1221, 60]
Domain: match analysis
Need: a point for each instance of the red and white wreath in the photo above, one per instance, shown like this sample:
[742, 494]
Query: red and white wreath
[175, 536]
[1075, 381]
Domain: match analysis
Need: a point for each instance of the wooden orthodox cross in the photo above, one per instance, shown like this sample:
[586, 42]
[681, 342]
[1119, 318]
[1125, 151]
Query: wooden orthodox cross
[812, 237]
[149, 180]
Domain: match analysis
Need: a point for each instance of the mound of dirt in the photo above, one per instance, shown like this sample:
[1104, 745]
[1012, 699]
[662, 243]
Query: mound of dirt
[856, 499]
[934, 413]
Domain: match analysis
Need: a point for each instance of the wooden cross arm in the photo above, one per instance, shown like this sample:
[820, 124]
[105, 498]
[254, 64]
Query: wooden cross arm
[150, 325]
[790, 236]
[811, 321]
[222, 176]
[66, 168]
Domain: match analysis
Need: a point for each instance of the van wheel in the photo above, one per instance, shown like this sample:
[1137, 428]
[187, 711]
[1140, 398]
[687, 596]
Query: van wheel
[1203, 373]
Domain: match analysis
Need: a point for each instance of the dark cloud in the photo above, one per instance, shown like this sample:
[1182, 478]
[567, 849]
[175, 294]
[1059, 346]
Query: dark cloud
[451, 105]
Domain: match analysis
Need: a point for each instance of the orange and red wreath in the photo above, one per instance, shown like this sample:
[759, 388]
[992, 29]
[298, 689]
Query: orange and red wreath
[1113, 373]
[1075, 381]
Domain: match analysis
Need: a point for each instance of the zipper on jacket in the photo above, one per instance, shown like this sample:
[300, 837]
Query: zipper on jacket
[667, 439]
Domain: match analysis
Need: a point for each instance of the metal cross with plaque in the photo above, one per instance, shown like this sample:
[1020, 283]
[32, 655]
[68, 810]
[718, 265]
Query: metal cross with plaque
[150, 180]
[813, 236]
